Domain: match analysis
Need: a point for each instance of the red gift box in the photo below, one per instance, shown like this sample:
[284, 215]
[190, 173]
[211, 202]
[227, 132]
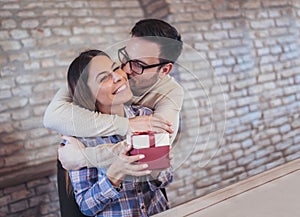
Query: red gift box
[155, 147]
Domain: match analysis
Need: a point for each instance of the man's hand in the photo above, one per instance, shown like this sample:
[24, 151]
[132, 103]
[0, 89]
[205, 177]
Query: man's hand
[149, 123]
[71, 155]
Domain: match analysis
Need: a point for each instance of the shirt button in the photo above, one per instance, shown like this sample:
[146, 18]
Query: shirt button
[142, 207]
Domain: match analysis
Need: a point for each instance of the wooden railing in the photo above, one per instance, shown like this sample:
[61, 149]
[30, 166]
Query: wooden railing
[27, 173]
[196, 206]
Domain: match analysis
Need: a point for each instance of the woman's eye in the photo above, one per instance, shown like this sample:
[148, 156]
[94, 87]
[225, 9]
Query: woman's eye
[103, 78]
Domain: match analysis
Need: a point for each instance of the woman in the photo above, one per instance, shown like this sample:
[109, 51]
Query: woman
[123, 188]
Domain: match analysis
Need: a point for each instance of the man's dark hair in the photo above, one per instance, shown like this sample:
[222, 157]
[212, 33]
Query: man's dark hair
[162, 33]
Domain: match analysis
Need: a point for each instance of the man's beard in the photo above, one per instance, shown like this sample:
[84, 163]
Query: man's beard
[140, 87]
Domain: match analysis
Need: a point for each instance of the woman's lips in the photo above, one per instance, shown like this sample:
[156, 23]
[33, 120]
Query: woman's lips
[120, 89]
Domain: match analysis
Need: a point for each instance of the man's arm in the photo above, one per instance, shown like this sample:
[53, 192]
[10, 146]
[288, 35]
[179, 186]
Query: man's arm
[166, 107]
[169, 112]
[167, 104]
[66, 118]
[74, 155]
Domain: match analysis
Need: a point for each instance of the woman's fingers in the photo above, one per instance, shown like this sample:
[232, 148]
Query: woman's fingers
[125, 149]
[129, 166]
[119, 170]
[133, 158]
[137, 169]
[140, 173]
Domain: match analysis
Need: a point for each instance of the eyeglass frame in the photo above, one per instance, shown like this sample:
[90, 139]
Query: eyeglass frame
[123, 64]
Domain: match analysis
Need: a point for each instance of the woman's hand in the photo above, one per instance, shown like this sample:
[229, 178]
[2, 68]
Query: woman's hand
[126, 165]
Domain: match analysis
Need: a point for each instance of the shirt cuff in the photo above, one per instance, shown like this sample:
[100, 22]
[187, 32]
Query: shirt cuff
[163, 180]
[166, 177]
[107, 189]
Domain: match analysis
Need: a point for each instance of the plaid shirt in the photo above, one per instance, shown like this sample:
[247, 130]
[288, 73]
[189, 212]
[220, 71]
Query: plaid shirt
[97, 197]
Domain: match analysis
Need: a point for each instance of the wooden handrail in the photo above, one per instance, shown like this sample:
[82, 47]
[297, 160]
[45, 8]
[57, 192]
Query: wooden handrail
[27, 173]
[218, 196]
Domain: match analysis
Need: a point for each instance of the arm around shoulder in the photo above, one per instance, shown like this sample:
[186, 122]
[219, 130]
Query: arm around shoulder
[74, 155]
[169, 107]
[66, 118]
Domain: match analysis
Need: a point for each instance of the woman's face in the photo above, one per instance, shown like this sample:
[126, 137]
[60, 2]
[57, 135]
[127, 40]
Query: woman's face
[108, 85]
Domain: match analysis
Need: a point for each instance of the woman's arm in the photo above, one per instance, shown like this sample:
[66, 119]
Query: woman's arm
[93, 191]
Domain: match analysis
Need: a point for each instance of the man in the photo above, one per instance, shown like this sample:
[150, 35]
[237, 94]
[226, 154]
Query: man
[148, 58]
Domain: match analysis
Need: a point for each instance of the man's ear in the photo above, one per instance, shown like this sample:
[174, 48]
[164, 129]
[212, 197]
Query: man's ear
[165, 70]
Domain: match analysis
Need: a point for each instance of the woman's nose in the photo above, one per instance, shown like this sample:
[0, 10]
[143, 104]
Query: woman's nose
[118, 75]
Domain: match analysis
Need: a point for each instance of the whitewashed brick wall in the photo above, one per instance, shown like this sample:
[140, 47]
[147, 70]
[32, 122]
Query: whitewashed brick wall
[253, 50]
[250, 47]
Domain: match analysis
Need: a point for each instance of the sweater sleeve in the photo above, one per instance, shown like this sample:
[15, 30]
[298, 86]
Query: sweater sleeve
[103, 155]
[69, 119]
[169, 108]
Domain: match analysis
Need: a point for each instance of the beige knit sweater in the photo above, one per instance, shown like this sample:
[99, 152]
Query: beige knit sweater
[165, 98]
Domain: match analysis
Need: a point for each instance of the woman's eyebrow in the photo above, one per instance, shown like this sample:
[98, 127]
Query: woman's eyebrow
[103, 72]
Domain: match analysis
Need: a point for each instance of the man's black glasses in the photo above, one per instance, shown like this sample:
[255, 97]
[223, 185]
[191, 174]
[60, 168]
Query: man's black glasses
[135, 65]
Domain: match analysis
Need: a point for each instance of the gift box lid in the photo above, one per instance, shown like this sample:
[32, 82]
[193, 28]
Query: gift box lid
[145, 140]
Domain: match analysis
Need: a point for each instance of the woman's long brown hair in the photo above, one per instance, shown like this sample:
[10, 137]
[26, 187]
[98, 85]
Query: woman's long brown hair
[78, 89]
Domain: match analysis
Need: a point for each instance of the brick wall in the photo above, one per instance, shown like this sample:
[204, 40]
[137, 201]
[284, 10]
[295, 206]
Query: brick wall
[240, 71]
[31, 199]
[38, 40]
[245, 77]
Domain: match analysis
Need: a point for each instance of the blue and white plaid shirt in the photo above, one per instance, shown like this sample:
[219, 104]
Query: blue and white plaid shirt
[96, 196]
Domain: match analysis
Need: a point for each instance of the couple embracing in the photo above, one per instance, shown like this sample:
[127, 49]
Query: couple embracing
[105, 101]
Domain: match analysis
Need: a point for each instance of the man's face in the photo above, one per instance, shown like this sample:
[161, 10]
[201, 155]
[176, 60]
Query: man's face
[146, 53]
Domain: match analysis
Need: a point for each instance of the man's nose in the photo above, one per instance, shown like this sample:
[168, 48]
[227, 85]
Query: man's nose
[129, 72]
[126, 68]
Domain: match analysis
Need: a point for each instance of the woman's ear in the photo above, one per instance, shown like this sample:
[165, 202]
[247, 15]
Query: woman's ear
[165, 70]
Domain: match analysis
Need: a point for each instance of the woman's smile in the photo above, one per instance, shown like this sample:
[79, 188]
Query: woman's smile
[120, 89]
[109, 85]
